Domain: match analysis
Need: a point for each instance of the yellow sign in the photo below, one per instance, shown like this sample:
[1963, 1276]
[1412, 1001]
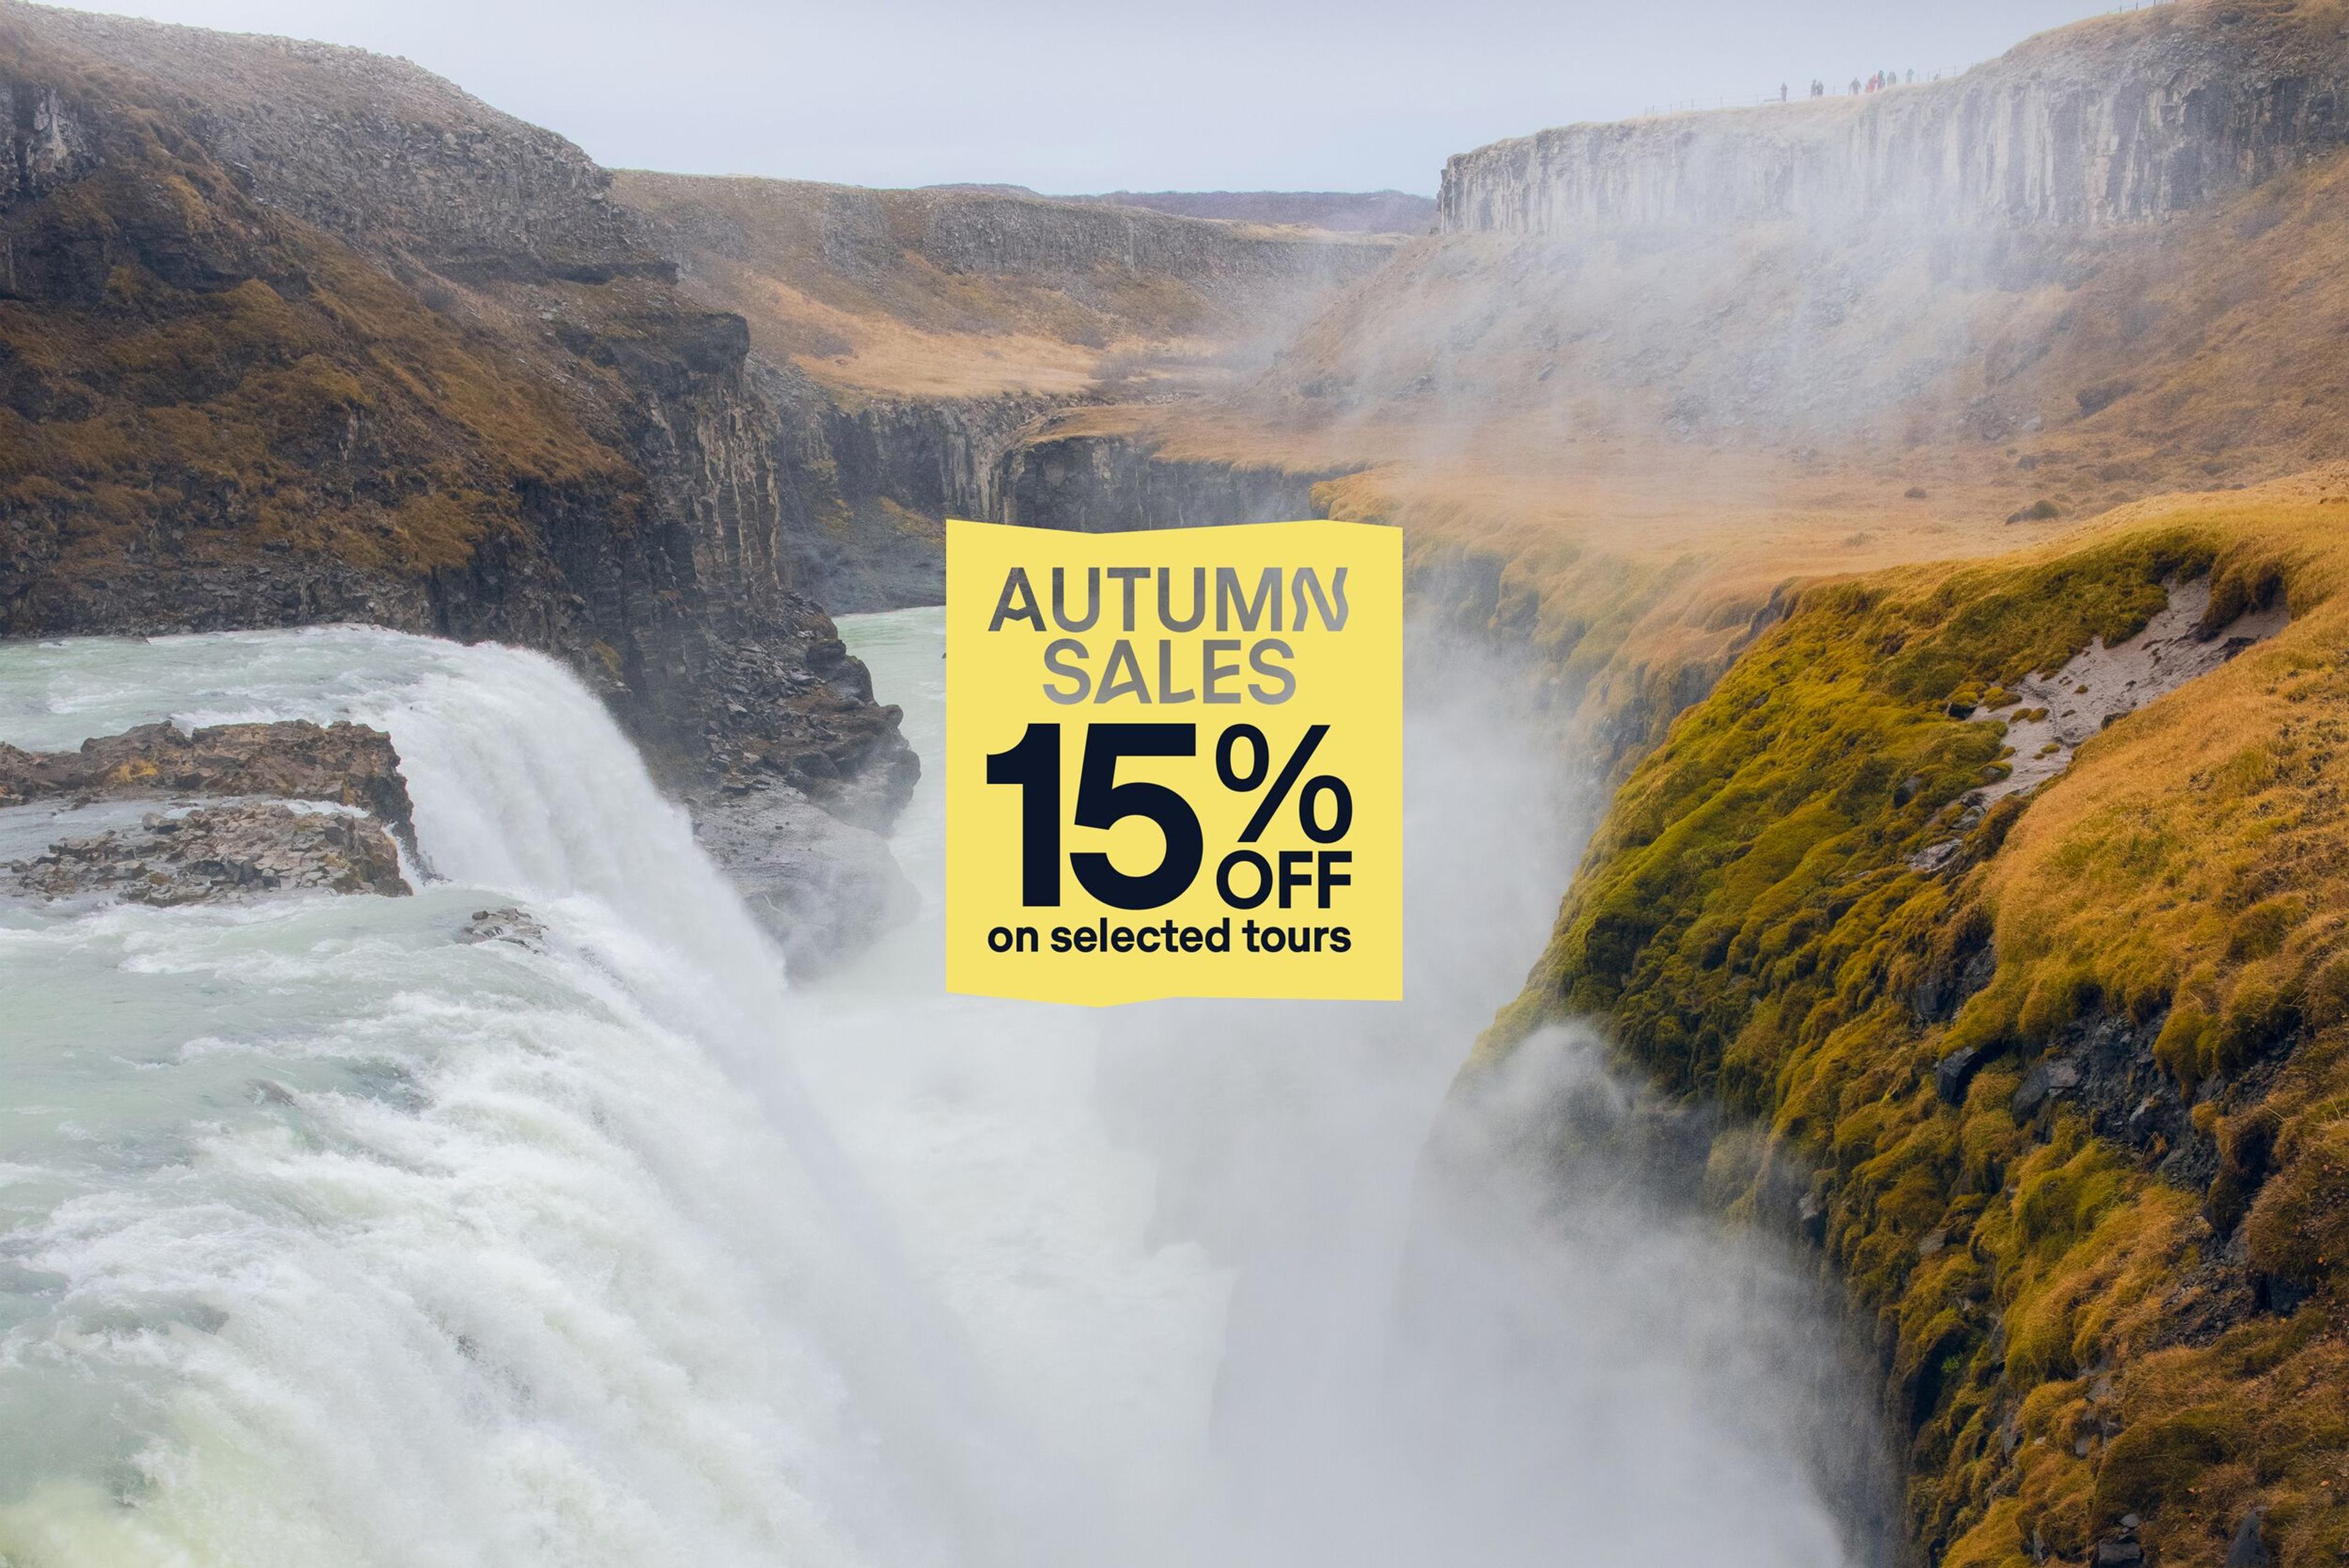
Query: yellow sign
[1174, 762]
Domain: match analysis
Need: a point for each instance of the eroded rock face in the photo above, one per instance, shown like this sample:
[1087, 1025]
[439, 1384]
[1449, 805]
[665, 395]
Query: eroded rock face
[1090, 482]
[507, 924]
[2053, 714]
[867, 484]
[2126, 119]
[210, 854]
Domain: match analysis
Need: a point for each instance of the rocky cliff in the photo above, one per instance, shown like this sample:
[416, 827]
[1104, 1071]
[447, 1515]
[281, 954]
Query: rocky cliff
[869, 480]
[295, 333]
[1650, 375]
[913, 338]
[1062, 474]
[2124, 119]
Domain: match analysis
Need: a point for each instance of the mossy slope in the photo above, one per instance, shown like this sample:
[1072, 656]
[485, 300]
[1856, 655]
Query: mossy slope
[2115, 1297]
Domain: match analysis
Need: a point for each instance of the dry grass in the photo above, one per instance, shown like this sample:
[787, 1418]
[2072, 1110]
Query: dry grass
[944, 293]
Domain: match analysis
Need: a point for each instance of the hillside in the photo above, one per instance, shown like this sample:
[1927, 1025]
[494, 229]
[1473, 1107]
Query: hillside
[2055, 1077]
[949, 293]
[291, 334]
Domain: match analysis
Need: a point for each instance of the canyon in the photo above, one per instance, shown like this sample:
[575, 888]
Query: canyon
[1794, 461]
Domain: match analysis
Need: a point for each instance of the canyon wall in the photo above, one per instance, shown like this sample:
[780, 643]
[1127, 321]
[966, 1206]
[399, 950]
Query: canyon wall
[869, 481]
[650, 553]
[2120, 119]
[1093, 482]
[913, 340]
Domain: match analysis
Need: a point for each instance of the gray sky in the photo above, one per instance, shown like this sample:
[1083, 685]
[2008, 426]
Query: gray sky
[1067, 95]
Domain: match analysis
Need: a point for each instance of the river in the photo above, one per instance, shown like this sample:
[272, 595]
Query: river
[332, 1239]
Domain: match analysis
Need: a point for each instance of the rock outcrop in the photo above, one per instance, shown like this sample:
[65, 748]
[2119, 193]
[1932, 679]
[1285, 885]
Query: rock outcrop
[341, 764]
[869, 481]
[223, 828]
[2124, 119]
[210, 854]
[1088, 481]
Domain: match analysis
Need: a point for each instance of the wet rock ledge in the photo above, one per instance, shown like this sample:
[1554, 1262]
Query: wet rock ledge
[214, 854]
[241, 810]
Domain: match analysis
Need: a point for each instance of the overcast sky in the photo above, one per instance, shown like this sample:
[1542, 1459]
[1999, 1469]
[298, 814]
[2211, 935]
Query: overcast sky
[1071, 95]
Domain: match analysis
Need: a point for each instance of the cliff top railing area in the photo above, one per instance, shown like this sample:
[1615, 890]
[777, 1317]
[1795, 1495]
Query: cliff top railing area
[1800, 93]
[1854, 85]
[2123, 117]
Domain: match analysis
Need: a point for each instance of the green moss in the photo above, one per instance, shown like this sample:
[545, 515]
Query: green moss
[2154, 1464]
[1759, 922]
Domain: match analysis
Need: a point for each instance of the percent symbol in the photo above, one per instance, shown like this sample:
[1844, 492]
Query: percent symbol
[1320, 784]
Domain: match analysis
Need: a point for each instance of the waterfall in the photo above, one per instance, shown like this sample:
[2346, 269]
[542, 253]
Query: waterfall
[332, 1238]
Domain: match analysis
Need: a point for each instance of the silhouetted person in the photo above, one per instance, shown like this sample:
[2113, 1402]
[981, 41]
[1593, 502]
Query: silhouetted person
[1781, 92]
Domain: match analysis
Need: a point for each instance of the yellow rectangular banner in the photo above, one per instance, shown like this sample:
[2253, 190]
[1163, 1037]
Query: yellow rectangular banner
[1174, 762]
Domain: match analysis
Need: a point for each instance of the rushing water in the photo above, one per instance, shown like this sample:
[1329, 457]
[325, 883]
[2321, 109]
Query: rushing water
[331, 1239]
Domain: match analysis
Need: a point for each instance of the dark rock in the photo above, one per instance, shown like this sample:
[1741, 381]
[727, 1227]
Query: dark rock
[824, 887]
[294, 760]
[1953, 1072]
[2248, 1550]
[215, 854]
[2279, 1295]
[2119, 1554]
[1088, 482]
[1946, 984]
[2045, 1080]
[511, 426]
[506, 925]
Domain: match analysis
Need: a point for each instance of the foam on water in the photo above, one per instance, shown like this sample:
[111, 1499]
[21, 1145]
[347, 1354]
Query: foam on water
[332, 1239]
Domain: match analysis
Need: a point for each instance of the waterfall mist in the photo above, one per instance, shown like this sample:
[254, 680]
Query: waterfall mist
[334, 1240]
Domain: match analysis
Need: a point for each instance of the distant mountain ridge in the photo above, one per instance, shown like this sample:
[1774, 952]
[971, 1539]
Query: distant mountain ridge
[1340, 212]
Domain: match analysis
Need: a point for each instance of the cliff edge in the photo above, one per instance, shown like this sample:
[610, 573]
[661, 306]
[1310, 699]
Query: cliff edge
[2038, 1029]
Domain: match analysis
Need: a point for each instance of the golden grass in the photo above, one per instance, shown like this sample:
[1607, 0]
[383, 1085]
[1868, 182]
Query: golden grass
[1750, 927]
[893, 319]
[1634, 567]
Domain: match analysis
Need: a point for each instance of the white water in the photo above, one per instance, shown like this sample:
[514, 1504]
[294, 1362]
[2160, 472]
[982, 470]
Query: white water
[330, 1239]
